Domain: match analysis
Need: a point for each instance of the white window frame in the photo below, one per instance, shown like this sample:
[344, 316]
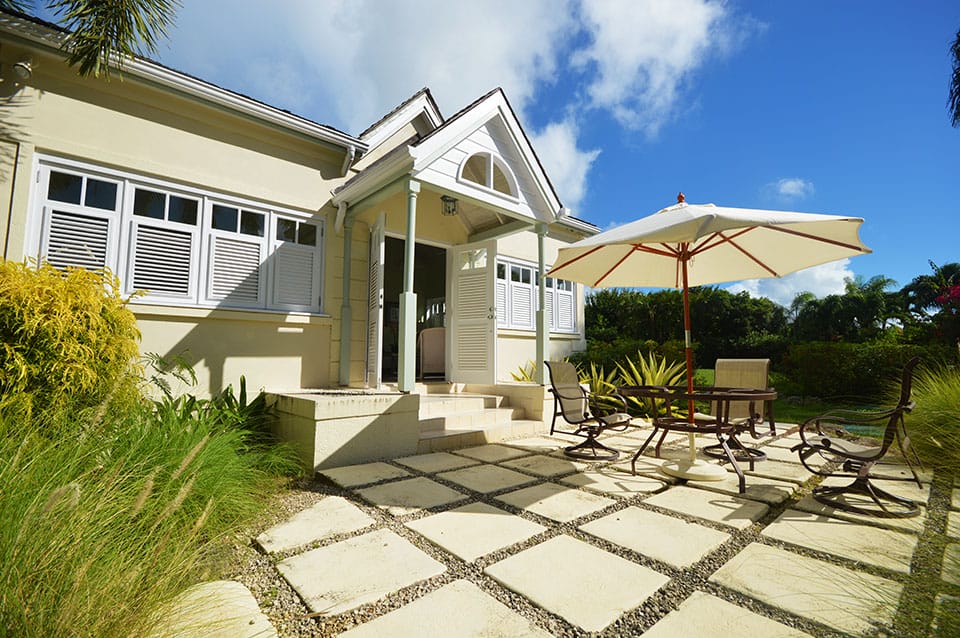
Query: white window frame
[491, 159]
[505, 316]
[123, 226]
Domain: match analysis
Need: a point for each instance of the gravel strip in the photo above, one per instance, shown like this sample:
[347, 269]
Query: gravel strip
[292, 619]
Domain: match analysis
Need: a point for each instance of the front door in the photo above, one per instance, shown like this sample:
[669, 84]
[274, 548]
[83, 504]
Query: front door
[474, 315]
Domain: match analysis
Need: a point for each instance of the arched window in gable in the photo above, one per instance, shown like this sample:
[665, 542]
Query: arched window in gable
[489, 171]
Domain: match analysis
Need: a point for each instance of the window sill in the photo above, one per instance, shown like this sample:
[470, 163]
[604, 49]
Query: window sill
[231, 314]
[531, 334]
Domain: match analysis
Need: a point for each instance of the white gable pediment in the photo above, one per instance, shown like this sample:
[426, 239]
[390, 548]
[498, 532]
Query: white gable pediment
[514, 181]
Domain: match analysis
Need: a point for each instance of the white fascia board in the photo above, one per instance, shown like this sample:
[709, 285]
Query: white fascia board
[39, 35]
[373, 178]
[421, 105]
[494, 106]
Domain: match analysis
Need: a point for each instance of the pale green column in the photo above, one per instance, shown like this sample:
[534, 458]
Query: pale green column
[543, 328]
[346, 312]
[407, 364]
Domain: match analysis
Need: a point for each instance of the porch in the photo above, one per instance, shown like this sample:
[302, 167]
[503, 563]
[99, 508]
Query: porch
[331, 428]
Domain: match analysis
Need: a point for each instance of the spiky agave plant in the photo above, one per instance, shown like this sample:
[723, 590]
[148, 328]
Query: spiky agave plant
[649, 370]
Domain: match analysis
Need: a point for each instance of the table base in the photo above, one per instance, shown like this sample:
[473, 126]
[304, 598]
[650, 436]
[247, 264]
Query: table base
[694, 471]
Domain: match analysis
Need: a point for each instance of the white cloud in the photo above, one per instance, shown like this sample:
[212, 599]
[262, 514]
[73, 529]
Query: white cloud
[790, 188]
[566, 165]
[822, 280]
[347, 62]
[644, 50]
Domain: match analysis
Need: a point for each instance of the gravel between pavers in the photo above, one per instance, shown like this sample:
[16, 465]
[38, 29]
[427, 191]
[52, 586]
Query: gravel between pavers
[292, 619]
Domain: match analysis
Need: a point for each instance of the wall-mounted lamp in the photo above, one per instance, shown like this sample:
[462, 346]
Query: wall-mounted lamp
[23, 70]
[450, 205]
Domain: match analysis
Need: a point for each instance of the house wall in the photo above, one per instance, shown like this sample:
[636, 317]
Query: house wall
[131, 126]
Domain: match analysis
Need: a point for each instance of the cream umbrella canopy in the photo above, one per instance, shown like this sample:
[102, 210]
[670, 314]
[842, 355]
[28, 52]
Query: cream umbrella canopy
[698, 244]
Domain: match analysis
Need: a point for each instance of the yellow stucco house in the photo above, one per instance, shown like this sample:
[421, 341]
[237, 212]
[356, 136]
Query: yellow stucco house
[274, 247]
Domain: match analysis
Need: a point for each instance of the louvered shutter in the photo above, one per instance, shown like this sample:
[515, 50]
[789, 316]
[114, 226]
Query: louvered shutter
[566, 310]
[521, 306]
[548, 303]
[500, 299]
[294, 278]
[235, 271]
[161, 260]
[75, 239]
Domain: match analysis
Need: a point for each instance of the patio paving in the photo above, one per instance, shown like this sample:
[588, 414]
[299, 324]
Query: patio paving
[514, 539]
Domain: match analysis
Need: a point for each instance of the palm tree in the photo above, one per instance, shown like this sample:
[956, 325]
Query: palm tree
[953, 102]
[105, 32]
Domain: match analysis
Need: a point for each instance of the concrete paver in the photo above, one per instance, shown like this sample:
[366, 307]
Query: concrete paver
[436, 462]
[913, 524]
[614, 482]
[759, 488]
[359, 570]
[217, 609]
[486, 478]
[542, 444]
[871, 545]
[457, 609]
[588, 587]
[719, 508]
[410, 495]
[780, 470]
[671, 540]
[903, 489]
[953, 524]
[545, 465]
[475, 530]
[556, 502]
[492, 453]
[328, 517]
[951, 564]
[841, 598]
[784, 455]
[353, 475]
[706, 616]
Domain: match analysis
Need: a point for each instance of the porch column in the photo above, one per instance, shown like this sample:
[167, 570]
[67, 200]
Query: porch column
[543, 328]
[407, 339]
[346, 312]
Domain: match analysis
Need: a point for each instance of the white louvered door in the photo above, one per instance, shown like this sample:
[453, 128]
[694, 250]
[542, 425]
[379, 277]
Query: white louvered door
[474, 317]
[375, 304]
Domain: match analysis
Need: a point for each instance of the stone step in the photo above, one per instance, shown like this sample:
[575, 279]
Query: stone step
[444, 404]
[454, 439]
[476, 419]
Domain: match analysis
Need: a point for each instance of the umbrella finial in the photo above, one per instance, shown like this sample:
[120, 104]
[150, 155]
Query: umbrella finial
[681, 198]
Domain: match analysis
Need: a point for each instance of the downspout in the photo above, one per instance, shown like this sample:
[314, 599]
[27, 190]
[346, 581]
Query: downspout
[346, 312]
[348, 160]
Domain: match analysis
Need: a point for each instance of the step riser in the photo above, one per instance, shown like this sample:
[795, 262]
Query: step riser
[471, 420]
[433, 407]
[454, 440]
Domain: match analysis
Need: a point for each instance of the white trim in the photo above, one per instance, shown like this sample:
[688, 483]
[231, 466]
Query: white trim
[492, 159]
[420, 105]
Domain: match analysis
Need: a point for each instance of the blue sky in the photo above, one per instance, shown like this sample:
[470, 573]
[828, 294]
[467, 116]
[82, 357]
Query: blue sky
[815, 106]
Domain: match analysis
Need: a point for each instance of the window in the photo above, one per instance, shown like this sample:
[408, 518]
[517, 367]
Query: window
[517, 298]
[490, 172]
[176, 244]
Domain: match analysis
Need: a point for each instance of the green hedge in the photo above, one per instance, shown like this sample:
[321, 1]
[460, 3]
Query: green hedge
[837, 371]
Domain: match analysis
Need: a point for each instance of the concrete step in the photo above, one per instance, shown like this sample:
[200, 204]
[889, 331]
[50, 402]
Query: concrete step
[456, 438]
[444, 404]
[476, 419]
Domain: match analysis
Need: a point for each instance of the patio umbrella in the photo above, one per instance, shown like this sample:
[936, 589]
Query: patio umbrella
[697, 244]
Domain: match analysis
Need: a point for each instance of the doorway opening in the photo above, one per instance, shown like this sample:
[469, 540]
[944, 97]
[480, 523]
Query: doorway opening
[430, 285]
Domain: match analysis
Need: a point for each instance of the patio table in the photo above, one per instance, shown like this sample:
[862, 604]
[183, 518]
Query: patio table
[720, 424]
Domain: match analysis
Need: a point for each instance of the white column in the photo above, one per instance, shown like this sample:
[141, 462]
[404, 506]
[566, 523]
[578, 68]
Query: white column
[543, 327]
[407, 364]
[346, 312]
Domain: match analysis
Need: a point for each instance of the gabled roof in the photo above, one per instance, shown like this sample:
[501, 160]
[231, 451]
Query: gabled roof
[420, 103]
[475, 114]
[50, 36]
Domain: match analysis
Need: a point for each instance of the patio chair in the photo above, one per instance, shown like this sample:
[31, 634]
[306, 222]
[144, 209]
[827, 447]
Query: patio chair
[745, 416]
[858, 461]
[572, 402]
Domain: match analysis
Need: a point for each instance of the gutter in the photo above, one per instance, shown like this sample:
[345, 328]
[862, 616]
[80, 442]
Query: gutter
[348, 160]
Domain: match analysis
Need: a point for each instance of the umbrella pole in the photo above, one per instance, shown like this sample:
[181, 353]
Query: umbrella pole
[691, 469]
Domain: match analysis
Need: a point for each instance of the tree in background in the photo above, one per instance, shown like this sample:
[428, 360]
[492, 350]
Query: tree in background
[105, 32]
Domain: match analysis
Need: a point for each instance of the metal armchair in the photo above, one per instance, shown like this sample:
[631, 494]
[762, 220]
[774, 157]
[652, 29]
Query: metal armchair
[858, 461]
[572, 402]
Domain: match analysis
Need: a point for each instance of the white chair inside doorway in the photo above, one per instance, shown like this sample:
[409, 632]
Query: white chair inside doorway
[431, 342]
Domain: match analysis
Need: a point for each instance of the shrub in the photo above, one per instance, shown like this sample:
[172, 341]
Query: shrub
[67, 339]
[651, 370]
